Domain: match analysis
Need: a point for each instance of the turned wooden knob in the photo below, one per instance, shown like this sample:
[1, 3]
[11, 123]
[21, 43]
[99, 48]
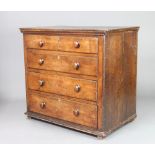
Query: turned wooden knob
[41, 61]
[76, 65]
[77, 88]
[76, 44]
[76, 112]
[42, 105]
[41, 43]
[41, 82]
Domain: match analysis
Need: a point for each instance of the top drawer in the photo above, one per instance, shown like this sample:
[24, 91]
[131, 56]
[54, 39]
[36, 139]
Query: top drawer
[41, 42]
[62, 43]
[78, 44]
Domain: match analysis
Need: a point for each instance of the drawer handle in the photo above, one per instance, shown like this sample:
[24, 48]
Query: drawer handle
[76, 65]
[41, 82]
[41, 43]
[76, 44]
[41, 61]
[77, 88]
[42, 105]
[76, 112]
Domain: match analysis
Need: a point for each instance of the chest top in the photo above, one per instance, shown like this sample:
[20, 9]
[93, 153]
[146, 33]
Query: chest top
[77, 29]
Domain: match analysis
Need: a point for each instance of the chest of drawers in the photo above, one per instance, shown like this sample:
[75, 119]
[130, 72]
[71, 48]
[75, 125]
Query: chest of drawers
[82, 78]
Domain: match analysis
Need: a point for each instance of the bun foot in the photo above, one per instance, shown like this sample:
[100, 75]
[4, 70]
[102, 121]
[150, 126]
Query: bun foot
[29, 117]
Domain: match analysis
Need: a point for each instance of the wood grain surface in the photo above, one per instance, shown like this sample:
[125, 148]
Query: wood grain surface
[64, 109]
[62, 62]
[83, 78]
[63, 85]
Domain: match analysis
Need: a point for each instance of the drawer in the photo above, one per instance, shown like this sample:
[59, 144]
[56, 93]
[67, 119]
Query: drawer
[80, 113]
[79, 44]
[63, 85]
[41, 42]
[48, 60]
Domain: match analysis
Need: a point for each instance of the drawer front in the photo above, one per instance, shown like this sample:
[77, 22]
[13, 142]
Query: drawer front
[81, 113]
[63, 85]
[79, 44]
[41, 42]
[48, 60]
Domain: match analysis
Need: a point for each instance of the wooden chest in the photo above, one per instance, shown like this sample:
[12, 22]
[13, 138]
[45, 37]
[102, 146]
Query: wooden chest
[83, 78]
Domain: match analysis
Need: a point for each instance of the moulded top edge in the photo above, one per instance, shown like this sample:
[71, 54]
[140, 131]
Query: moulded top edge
[75, 29]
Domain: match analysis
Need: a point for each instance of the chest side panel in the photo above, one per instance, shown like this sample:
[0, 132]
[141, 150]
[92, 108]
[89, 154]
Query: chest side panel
[120, 78]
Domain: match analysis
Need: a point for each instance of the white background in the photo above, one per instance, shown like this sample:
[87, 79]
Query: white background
[12, 85]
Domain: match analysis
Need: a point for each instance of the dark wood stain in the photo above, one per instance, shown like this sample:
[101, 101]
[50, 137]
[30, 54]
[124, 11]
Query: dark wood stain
[82, 78]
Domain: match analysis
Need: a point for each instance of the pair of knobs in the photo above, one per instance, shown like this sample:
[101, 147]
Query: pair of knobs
[75, 112]
[76, 44]
[76, 64]
[77, 87]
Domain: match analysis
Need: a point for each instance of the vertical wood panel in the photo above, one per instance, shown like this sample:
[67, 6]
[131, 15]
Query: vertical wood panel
[100, 82]
[25, 62]
[114, 79]
[120, 78]
[130, 63]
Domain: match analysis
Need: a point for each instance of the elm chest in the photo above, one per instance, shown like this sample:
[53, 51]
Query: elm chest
[82, 78]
